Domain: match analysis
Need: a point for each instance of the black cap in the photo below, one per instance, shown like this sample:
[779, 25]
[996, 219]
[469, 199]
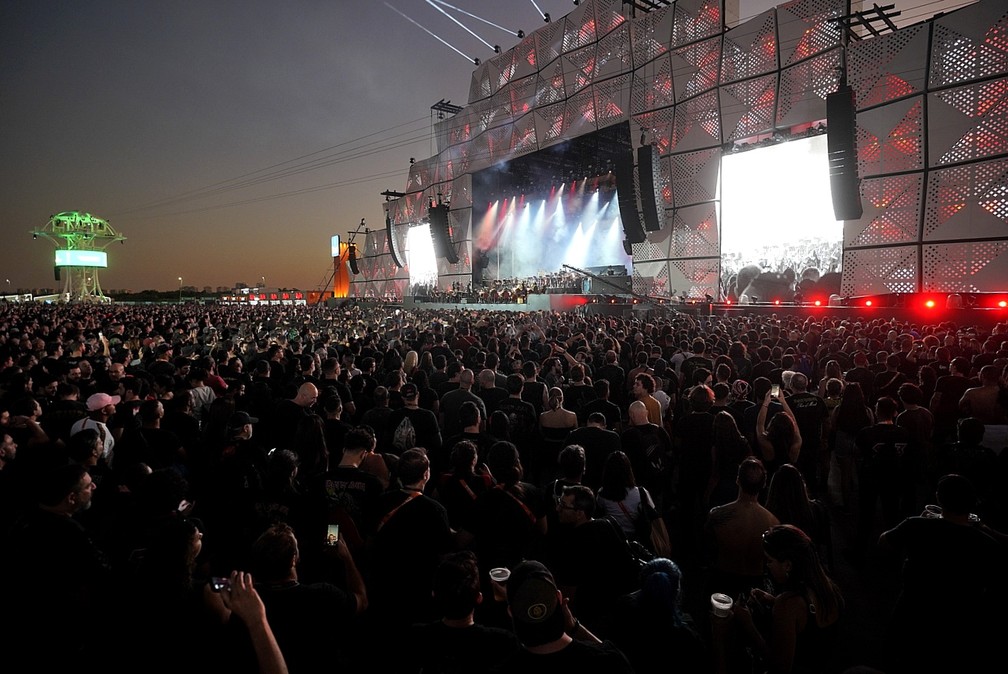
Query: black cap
[239, 419]
[409, 391]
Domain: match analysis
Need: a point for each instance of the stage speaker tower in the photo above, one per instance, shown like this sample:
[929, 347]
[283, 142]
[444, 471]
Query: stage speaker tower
[649, 177]
[441, 233]
[393, 244]
[633, 231]
[842, 149]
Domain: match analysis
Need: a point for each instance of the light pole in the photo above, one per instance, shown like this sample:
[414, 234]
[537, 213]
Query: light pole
[180, 289]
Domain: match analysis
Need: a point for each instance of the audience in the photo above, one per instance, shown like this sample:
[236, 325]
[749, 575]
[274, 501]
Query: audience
[317, 418]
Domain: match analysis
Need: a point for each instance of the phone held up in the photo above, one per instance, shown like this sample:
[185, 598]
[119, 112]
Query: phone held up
[332, 536]
[775, 391]
[218, 583]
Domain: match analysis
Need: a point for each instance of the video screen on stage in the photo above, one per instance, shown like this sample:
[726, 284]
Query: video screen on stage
[778, 230]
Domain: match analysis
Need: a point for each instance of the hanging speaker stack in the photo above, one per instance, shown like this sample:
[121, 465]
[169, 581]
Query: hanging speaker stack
[393, 244]
[441, 233]
[352, 257]
[649, 177]
[842, 150]
[633, 231]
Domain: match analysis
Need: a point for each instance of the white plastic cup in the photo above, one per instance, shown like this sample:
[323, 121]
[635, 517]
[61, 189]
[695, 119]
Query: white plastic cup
[721, 604]
[498, 579]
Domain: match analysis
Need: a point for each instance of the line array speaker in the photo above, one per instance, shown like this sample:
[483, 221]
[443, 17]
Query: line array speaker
[842, 150]
[649, 176]
[393, 244]
[352, 257]
[633, 231]
[441, 233]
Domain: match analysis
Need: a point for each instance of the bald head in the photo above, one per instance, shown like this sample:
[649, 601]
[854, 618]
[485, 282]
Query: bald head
[638, 413]
[487, 378]
[307, 394]
[466, 378]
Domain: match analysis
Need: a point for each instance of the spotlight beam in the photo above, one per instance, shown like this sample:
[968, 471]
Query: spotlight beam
[478, 18]
[452, 47]
[462, 25]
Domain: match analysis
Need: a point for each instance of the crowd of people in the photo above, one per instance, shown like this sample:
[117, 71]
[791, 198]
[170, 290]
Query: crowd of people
[190, 488]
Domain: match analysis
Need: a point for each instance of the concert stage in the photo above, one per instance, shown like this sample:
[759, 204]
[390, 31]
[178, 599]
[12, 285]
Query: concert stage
[535, 302]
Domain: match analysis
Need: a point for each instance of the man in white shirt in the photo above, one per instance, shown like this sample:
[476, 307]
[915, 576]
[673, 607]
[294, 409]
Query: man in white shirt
[100, 407]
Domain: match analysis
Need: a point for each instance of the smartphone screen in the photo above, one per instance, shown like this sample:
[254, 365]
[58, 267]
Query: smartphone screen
[333, 534]
[775, 391]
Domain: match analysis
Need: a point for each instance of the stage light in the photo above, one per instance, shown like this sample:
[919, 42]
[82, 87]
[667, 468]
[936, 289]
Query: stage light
[521, 34]
[476, 60]
[930, 304]
[546, 17]
[818, 303]
[497, 49]
[727, 301]
[776, 302]
[868, 303]
[1003, 304]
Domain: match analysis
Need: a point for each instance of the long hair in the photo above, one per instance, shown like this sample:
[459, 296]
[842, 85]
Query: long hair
[786, 542]
[617, 477]
[787, 498]
[852, 413]
[661, 592]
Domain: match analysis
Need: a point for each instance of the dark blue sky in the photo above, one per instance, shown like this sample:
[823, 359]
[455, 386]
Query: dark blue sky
[132, 110]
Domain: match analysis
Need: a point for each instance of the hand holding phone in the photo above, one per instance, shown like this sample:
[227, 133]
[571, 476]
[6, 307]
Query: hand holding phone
[775, 391]
[219, 583]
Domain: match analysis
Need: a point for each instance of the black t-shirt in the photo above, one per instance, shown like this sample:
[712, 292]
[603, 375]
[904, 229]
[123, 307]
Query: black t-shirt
[425, 427]
[578, 656]
[307, 621]
[436, 648]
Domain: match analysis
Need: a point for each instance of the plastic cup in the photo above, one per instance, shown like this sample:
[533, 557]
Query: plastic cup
[498, 579]
[721, 604]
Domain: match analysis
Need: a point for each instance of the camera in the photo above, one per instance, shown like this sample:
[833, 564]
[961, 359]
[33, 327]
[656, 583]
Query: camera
[218, 583]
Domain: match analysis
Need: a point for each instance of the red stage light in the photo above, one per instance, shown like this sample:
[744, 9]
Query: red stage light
[930, 304]
[868, 303]
[1003, 304]
[727, 302]
[818, 303]
[777, 302]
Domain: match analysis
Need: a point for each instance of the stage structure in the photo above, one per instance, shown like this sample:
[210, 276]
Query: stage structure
[671, 91]
[80, 240]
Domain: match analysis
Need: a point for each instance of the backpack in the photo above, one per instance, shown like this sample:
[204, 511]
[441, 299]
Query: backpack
[404, 435]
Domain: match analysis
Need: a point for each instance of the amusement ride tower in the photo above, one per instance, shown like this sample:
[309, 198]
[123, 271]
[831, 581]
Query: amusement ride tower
[80, 240]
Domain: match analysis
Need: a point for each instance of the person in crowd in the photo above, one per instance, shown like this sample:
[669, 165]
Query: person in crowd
[456, 643]
[414, 426]
[622, 500]
[794, 628]
[60, 571]
[732, 534]
[100, 408]
[985, 402]
[603, 405]
[788, 499]
[652, 625]
[551, 637]
[412, 537]
[967, 563]
[598, 442]
[452, 400]
[846, 421]
[472, 430]
[879, 448]
[459, 488]
[313, 621]
[728, 449]
[555, 424]
[779, 440]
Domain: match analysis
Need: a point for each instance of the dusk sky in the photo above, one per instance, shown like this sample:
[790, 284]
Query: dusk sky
[148, 114]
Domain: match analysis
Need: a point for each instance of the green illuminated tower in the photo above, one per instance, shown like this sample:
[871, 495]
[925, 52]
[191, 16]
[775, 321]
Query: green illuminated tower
[80, 240]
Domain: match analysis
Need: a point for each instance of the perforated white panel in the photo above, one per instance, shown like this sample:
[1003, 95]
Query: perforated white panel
[968, 123]
[890, 138]
[804, 87]
[892, 212]
[808, 27]
[879, 271]
[974, 266]
[969, 44]
[748, 107]
[695, 68]
[693, 278]
[694, 175]
[888, 67]
[656, 126]
[967, 202]
[697, 123]
[695, 231]
[652, 34]
[750, 49]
